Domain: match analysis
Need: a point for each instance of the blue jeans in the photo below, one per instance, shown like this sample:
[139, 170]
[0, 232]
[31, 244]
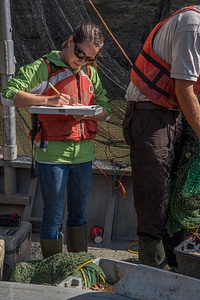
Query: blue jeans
[54, 180]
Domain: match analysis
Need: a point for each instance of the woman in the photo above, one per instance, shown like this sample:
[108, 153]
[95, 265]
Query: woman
[63, 150]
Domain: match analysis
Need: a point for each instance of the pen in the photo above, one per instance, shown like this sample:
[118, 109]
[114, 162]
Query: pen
[53, 88]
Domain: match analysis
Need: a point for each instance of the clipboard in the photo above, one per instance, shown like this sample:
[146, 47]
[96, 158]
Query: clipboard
[90, 110]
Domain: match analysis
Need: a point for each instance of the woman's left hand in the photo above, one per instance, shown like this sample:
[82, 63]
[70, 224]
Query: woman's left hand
[78, 118]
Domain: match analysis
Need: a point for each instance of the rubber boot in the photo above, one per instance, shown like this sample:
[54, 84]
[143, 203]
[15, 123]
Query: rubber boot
[51, 247]
[152, 253]
[76, 238]
[2, 255]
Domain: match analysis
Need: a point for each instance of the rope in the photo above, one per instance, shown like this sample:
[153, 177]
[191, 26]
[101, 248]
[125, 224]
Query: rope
[83, 265]
[191, 227]
[84, 278]
[116, 188]
[133, 251]
[113, 37]
[195, 234]
[81, 269]
[124, 193]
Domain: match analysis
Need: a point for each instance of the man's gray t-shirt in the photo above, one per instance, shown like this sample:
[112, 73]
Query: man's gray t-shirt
[178, 43]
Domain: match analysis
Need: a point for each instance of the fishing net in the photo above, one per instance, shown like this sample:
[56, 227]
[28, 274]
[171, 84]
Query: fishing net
[56, 268]
[185, 197]
[41, 26]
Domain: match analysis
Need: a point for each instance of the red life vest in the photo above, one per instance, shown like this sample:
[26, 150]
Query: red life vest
[64, 127]
[151, 75]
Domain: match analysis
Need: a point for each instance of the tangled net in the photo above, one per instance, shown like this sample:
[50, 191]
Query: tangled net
[56, 268]
[185, 196]
[48, 24]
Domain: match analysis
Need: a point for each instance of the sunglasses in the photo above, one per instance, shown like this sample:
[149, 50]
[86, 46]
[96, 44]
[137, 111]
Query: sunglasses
[81, 54]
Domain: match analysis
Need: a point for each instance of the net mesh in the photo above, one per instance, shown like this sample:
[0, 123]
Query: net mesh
[41, 26]
[185, 197]
[57, 268]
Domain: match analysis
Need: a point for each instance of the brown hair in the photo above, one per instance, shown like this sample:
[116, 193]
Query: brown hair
[88, 32]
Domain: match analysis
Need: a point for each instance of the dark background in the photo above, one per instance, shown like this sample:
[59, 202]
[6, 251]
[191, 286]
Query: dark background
[130, 21]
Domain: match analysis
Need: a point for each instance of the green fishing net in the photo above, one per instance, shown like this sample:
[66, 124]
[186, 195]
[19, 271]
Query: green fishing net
[185, 196]
[56, 268]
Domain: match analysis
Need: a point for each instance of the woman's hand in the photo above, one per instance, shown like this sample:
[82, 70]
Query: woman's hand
[24, 99]
[58, 100]
[79, 118]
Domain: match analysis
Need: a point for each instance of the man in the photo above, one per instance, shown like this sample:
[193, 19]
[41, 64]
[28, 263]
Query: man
[164, 81]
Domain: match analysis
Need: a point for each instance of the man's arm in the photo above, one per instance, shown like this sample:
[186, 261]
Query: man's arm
[189, 103]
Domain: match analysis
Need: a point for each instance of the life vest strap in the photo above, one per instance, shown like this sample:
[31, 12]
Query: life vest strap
[151, 84]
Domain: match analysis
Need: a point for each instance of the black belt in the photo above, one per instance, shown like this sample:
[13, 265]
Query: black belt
[147, 105]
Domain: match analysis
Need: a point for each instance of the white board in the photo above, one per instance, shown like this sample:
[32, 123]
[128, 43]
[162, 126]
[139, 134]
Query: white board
[67, 110]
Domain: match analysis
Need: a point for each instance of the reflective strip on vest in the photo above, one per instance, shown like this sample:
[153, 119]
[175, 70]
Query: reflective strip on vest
[65, 127]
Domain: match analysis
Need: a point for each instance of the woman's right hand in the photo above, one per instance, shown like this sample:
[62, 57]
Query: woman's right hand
[25, 99]
[58, 100]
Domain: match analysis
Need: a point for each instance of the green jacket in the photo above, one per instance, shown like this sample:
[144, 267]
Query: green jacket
[33, 78]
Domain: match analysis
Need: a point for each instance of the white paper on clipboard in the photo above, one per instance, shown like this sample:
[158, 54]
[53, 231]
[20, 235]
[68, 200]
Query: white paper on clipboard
[67, 110]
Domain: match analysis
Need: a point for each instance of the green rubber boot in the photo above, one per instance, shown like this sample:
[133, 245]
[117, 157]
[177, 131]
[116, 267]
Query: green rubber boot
[152, 253]
[76, 238]
[51, 247]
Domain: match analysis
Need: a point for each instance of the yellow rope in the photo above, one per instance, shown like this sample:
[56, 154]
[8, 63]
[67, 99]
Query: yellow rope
[80, 268]
[191, 227]
[84, 278]
[102, 278]
[84, 264]
[132, 251]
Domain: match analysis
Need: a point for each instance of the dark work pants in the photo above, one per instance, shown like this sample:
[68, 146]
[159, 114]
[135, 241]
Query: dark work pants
[151, 134]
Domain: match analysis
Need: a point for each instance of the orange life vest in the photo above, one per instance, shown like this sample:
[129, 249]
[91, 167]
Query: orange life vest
[151, 75]
[64, 127]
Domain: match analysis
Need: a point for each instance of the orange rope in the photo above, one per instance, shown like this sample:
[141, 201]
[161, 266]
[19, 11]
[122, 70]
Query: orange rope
[120, 47]
[195, 233]
[122, 195]
[122, 188]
